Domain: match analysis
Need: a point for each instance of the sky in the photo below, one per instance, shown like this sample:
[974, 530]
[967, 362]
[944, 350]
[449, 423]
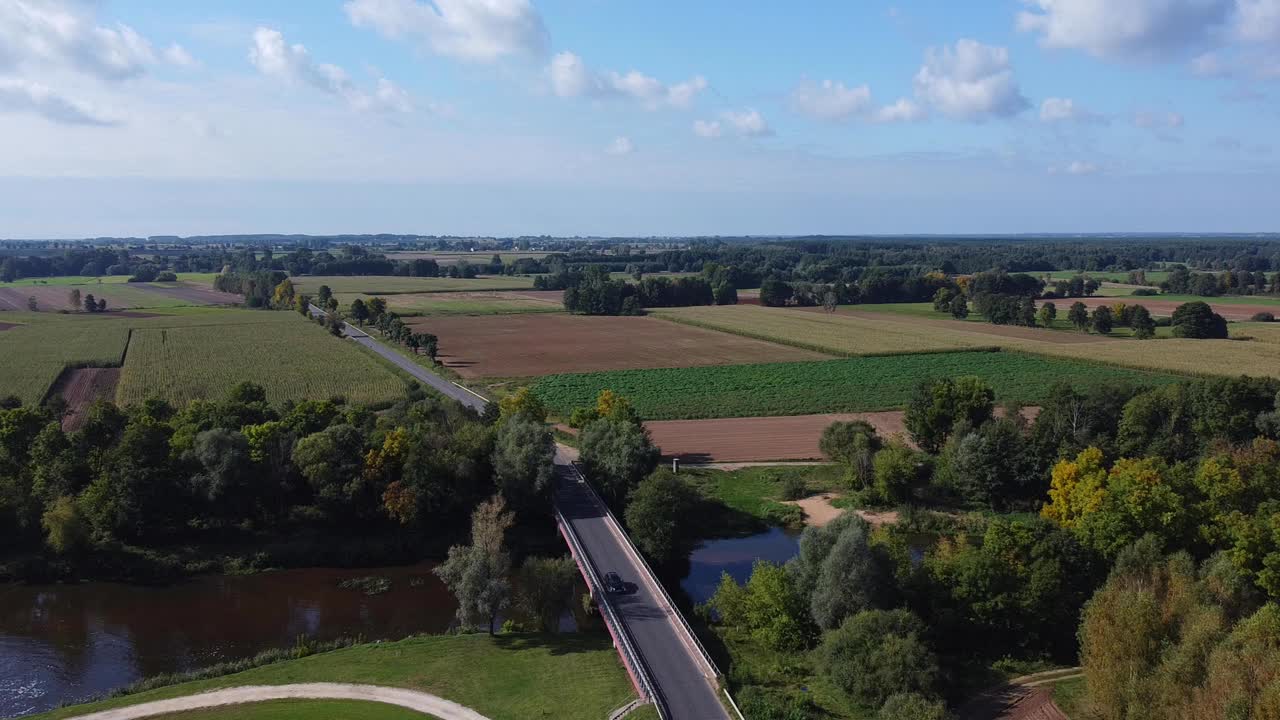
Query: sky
[602, 117]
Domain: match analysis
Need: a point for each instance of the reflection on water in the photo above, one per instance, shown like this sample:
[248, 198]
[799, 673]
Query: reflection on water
[735, 556]
[63, 642]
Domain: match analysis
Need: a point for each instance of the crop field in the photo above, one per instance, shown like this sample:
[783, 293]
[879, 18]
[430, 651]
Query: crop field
[204, 278]
[32, 356]
[53, 298]
[394, 284]
[861, 384]
[541, 343]
[867, 329]
[292, 361]
[1154, 277]
[466, 303]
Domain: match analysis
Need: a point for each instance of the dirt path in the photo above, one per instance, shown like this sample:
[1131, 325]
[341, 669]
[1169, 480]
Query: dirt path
[1029, 697]
[818, 511]
[412, 699]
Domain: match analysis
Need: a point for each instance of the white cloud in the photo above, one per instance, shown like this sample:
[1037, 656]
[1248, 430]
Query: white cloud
[274, 58]
[1258, 20]
[620, 146]
[175, 54]
[23, 96]
[1141, 29]
[1076, 167]
[1209, 64]
[470, 30]
[63, 34]
[570, 77]
[1062, 110]
[903, 110]
[747, 123]
[707, 128]
[970, 81]
[1150, 120]
[831, 100]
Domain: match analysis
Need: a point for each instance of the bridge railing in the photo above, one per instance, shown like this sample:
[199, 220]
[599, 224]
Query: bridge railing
[621, 636]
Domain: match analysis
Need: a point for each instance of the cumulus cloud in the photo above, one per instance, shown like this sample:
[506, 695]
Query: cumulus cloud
[570, 77]
[970, 81]
[275, 58]
[1151, 120]
[63, 34]
[1065, 110]
[747, 123]
[834, 101]
[903, 110]
[1141, 29]
[707, 128]
[620, 146]
[24, 96]
[480, 31]
[1075, 167]
[1258, 20]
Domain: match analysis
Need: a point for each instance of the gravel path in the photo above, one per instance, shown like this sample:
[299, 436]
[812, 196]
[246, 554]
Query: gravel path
[412, 699]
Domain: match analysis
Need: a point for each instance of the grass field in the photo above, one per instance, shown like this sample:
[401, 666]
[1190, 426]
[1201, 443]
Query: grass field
[394, 284]
[302, 709]
[206, 278]
[458, 303]
[1154, 277]
[880, 329]
[293, 361]
[510, 677]
[799, 388]
[756, 492]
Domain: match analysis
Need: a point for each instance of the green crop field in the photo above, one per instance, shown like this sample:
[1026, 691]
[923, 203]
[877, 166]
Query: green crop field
[203, 278]
[32, 356]
[292, 361]
[394, 284]
[851, 385]
[573, 676]
[1154, 277]
[458, 303]
[915, 327]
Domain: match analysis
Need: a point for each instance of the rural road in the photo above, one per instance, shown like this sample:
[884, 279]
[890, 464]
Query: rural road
[412, 699]
[686, 692]
[446, 388]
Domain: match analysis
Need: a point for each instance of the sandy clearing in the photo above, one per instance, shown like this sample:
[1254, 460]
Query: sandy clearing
[529, 344]
[412, 699]
[819, 512]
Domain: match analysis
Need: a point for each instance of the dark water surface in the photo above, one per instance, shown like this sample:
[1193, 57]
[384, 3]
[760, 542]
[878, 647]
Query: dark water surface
[735, 556]
[60, 643]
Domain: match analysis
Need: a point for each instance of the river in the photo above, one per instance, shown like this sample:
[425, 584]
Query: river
[60, 643]
[735, 556]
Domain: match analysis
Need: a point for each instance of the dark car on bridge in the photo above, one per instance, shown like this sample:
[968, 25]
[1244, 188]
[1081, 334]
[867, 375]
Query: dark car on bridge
[613, 584]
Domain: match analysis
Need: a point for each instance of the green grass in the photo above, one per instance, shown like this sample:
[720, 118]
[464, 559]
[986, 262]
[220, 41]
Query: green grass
[1071, 696]
[302, 709]
[510, 677]
[395, 285]
[756, 493]
[32, 356]
[851, 385]
[1154, 277]
[297, 360]
[456, 303]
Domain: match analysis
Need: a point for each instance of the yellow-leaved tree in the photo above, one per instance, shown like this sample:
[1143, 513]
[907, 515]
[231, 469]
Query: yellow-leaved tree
[1077, 488]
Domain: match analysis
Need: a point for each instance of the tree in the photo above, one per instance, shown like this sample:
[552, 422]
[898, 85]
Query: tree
[1102, 320]
[1197, 320]
[1144, 327]
[960, 307]
[616, 455]
[302, 303]
[331, 460]
[853, 444]
[829, 301]
[522, 403]
[912, 706]
[899, 470]
[359, 311]
[478, 574]
[523, 463]
[770, 607]
[376, 306]
[938, 405]
[841, 570]
[284, 294]
[774, 292]
[102, 304]
[989, 467]
[1078, 315]
[65, 527]
[323, 296]
[942, 299]
[225, 470]
[543, 586]
[1046, 314]
[660, 515]
[877, 654]
[73, 299]
[90, 303]
[32, 304]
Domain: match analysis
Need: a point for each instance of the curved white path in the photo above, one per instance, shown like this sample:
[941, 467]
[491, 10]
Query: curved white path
[412, 699]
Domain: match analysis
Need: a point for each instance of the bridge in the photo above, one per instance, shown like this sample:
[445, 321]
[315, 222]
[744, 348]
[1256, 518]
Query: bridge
[667, 663]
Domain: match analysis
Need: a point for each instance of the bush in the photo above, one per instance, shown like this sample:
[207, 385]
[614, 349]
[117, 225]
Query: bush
[1263, 317]
[760, 703]
[877, 654]
[911, 706]
[794, 488]
[1145, 292]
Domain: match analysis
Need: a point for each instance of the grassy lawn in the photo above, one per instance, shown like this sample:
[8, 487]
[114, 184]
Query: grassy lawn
[457, 303]
[754, 495]
[510, 677]
[1071, 697]
[850, 385]
[299, 709]
[395, 284]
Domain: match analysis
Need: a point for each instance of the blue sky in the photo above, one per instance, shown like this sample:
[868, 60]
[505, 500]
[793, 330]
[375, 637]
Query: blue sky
[601, 117]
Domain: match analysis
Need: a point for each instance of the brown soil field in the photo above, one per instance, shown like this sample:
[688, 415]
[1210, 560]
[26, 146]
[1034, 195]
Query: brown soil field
[52, 298]
[761, 439]
[547, 343]
[192, 293]
[1010, 331]
[1165, 308]
[81, 388]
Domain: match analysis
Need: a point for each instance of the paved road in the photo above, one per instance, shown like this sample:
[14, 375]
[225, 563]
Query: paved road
[686, 693]
[446, 388]
[412, 699]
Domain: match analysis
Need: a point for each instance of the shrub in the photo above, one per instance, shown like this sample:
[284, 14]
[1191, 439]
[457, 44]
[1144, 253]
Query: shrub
[794, 487]
[877, 654]
[1263, 317]
[1145, 292]
[912, 706]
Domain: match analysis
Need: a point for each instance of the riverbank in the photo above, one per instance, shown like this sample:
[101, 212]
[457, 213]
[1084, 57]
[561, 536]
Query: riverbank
[513, 676]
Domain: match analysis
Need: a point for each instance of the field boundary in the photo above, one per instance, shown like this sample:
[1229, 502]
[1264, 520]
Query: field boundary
[56, 386]
[815, 347]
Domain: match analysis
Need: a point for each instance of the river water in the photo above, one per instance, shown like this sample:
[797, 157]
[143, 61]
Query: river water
[60, 643]
[735, 556]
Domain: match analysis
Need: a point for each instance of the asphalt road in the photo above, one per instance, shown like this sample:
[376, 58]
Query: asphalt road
[676, 674]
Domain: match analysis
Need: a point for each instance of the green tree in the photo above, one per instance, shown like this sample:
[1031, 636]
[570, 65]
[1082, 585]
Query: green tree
[616, 455]
[960, 307]
[302, 303]
[1078, 315]
[332, 462]
[522, 403]
[1102, 320]
[661, 513]
[899, 470]
[1047, 313]
[523, 463]
[73, 299]
[989, 467]
[852, 444]
[1197, 320]
[877, 654]
[1144, 327]
[90, 303]
[283, 296]
[478, 574]
[377, 307]
[358, 311]
[937, 405]
[543, 588]
[225, 471]
[849, 577]
[66, 530]
[942, 299]
[769, 607]
[774, 292]
[323, 296]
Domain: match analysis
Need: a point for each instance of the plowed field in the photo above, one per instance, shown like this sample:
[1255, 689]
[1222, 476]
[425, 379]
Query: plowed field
[81, 388]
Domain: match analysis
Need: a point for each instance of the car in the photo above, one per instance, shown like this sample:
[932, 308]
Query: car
[613, 584]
